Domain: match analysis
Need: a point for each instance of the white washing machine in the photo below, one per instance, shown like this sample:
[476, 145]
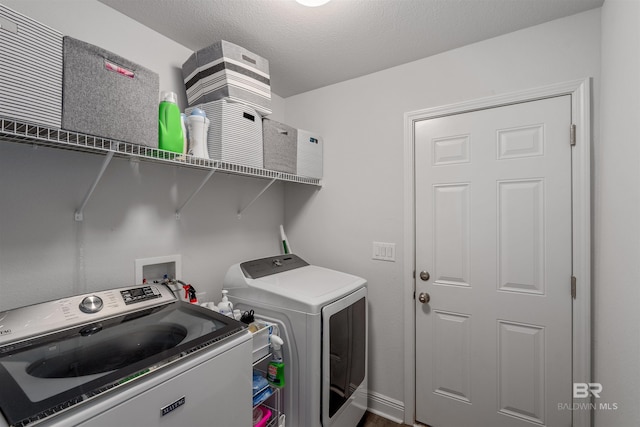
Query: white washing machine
[123, 357]
[322, 316]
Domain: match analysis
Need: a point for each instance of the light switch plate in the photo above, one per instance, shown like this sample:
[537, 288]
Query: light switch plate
[384, 251]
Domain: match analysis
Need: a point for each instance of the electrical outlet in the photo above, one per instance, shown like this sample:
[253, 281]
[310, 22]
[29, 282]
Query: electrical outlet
[156, 268]
[384, 251]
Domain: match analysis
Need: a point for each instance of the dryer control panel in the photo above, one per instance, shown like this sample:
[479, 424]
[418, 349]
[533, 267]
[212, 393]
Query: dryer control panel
[267, 266]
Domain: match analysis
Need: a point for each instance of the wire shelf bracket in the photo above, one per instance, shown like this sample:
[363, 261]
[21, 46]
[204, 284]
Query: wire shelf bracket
[79, 214]
[196, 191]
[257, 197]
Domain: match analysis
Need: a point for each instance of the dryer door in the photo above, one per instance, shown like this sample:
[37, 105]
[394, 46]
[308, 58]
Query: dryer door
[344, 360]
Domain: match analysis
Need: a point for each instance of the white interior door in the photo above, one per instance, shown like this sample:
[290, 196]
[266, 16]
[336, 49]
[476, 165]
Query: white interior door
[493, 230]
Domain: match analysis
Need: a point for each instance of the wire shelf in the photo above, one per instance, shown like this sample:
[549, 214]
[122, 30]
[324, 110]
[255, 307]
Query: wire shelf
[27, 133]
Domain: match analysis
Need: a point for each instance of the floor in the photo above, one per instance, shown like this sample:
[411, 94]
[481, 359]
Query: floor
[373, 420]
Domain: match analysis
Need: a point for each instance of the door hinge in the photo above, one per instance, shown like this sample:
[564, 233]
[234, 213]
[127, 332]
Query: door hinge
[572, 135]
[414, 284]
[573, 287]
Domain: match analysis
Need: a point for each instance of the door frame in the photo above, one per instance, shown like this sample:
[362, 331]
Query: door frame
[580, 92]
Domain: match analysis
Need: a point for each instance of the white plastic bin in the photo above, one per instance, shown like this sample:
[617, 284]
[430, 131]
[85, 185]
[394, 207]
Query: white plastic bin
[30, 70]
[310, 149]
[235, 132]
[262, 340]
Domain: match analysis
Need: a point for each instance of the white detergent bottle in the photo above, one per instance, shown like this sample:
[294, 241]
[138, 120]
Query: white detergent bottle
[225, 306]
[198, 128]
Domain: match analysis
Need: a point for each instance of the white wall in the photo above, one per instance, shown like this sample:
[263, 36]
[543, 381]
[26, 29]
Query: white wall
[45, 254]
[361, 121]
[617, 218]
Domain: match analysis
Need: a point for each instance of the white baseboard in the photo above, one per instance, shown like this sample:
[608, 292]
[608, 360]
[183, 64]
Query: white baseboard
[385, 407]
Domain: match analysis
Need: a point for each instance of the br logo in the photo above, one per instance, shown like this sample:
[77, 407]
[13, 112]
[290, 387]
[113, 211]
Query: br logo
[582, 390]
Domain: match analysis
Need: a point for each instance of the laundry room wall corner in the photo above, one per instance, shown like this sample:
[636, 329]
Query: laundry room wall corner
[45, 254]
[362, 199]
[616, 319]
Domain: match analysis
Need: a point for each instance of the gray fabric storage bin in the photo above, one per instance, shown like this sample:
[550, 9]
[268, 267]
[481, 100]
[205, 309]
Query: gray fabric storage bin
[225, 70]
[30, 70]
[310, 148]
[108, 96]
[280, 146]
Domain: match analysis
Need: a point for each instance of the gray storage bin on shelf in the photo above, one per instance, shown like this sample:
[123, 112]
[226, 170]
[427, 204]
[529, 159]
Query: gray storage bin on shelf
[235, 132]
[225, 70]
[310, 147]
[107, 95]
[30, 70]
[280, 146]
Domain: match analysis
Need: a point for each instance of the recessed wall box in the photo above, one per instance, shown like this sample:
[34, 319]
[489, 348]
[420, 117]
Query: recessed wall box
[155, 268]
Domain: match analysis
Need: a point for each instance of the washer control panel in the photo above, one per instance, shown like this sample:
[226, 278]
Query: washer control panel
[20, 326]
[135, 295]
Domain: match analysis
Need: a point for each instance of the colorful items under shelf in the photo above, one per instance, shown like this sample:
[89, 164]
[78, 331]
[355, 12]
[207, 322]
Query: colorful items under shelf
[261, 416]
[261, 388]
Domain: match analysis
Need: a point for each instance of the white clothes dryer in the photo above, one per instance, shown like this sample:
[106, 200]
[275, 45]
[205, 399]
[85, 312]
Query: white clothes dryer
[322, 316]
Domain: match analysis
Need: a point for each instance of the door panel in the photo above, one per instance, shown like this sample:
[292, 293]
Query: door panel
[520, 248]
[451, 235]
[521, 360]
[452, 375]
[493, 227]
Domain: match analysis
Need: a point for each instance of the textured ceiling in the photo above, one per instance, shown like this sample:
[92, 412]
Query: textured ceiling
[308, 48]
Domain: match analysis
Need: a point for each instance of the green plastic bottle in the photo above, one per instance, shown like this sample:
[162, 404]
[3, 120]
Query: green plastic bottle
[275, 370]
[170, 136]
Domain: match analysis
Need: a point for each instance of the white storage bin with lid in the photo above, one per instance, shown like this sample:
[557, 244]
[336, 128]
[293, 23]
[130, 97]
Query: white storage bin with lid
[30, 70]
[310, 148]
[225, 70]
[235, 132]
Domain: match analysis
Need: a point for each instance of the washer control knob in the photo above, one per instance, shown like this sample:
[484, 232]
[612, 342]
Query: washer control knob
[91, 304]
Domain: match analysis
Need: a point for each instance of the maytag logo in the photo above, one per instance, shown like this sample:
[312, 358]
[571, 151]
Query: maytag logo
[5, 331]
[175, 405]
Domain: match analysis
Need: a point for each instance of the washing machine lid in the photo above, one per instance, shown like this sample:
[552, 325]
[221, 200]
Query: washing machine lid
[289, 282]
[58, 355]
